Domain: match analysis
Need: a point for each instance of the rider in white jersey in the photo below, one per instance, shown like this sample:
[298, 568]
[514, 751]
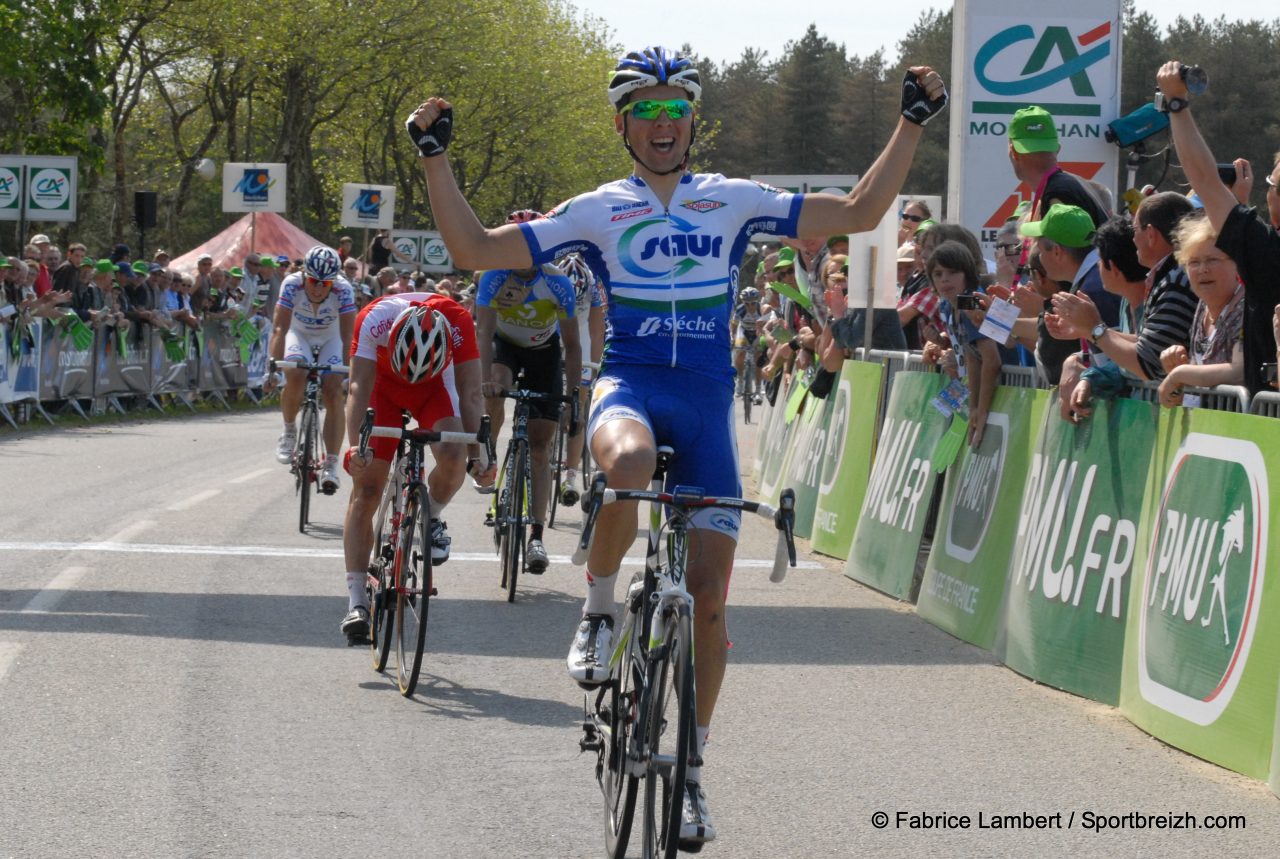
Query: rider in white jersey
[313, 321]
[667, 245]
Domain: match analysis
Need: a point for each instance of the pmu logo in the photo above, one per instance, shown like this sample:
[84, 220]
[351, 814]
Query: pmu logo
[368, 204]
[1002, 53]
[1203, 589]
[681, 250]
[978, 486]
[255, 185]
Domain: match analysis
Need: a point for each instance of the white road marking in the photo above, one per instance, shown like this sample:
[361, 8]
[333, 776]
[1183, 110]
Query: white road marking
[299, 552]
[53, 592]
[9, 651]
[128, 532]
[252, 475]
[192, 501]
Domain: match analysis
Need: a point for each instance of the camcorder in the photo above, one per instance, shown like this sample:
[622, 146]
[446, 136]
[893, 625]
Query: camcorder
[1137, 126]
[968, 301]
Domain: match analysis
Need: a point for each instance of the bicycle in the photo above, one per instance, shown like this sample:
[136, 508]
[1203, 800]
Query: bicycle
[511, 512]
[750, 392]
[400, 580]
[564, 494]
[306, 463]
[642, 724]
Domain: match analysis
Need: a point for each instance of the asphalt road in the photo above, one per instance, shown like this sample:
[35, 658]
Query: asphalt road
[173, 683]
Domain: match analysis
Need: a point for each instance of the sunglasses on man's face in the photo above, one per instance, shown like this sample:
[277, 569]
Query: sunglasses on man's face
[311, 281]
[650, 108]
[915, 219]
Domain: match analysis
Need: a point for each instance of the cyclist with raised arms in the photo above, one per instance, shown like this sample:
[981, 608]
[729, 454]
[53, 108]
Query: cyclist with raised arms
[519, 316]
[667, 245]
[413, 352]
[590, 315]
[313, 321]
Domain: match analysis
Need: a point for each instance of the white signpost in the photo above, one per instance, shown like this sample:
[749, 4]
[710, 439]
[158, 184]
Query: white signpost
[370, 206]
[1004, 59]
[426, 249]
[38, 187]
[253, 187]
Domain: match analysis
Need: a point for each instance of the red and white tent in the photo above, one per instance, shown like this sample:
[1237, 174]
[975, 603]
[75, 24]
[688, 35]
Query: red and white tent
[270, 234]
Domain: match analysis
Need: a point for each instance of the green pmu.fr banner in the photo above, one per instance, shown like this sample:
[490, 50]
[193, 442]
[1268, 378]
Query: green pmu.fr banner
[964, 581]
[781, 440]
[1067, 601]
[804, 460]
[1202, 649]
[896, 503]
[772, 425]
[846, 461]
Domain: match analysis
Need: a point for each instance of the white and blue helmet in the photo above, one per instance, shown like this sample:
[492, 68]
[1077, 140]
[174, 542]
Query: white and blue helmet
[321, 263]
[654, 66]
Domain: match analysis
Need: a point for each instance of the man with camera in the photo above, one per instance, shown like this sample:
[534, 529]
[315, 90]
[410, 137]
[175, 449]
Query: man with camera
[1253, 245]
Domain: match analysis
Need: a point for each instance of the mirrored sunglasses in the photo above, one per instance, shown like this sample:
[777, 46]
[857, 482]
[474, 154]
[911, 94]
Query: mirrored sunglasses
[650, 108]
[311, 281]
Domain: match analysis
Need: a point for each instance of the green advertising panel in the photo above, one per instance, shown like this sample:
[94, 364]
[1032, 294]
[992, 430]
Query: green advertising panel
[846, 462]
[781, 442]
[1068, 595]
[964, 581]
[770, 422]
[896, 504]
[1202, 648]
[804, 460]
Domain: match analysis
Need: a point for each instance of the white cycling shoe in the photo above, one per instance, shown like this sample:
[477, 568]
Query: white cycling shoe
[696, 827]
[284, 447]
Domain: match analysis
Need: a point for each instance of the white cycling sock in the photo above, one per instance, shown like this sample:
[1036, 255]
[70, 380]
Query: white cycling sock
[692, 772]
[437, 507]
[291, 426]
[355, 591]
[330, 459]
[600, 594]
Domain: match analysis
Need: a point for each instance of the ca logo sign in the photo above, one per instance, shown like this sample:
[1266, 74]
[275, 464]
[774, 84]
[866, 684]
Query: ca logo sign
[995, 59]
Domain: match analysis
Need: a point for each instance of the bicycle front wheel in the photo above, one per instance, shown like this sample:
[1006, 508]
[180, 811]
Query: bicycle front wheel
[669, 732]
[413, 589]
[513, 537]
[382, 594]
[619, 781]
[557, 466]
[309, 435]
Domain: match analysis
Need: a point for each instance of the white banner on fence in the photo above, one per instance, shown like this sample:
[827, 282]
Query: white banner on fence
[369, 206]
[253, 187]
[1004, 59]
[425, 247]
[50, 190]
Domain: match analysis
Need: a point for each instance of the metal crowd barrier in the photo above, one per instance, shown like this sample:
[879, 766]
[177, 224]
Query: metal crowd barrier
[1266, 404]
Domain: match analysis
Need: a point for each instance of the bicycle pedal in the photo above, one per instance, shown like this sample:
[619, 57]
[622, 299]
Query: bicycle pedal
[358, 641]
[690, 846]
[435, 592]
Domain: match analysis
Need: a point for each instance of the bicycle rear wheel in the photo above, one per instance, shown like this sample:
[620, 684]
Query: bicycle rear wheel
[382, 594]
[414, 589]
[669, 731]
[618, 783]
[513, 536]
[309, 435]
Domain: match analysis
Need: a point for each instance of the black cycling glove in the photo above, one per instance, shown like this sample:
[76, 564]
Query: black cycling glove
[435, 139]
[917, 107]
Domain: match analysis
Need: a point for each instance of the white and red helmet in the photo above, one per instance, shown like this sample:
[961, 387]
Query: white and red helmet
[420, 343]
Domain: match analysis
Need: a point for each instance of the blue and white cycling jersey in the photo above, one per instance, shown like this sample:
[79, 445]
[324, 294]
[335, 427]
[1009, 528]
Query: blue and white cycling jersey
[670, 274]
[316, 321]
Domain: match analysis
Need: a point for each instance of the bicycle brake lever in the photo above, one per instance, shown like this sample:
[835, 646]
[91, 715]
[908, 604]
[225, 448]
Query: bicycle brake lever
[591, 504]
[787, 515]
[366, 427]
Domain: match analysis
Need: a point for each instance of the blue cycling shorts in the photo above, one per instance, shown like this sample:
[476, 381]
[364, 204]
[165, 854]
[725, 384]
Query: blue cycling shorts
[686, 411]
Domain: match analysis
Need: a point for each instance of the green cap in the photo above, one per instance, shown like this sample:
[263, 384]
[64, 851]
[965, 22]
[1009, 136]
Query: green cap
[786, 258]
[86, 263]
[1066, 225]
[104, 266]
[926, 224]
[236, 272]
[4, 262]
[1032, 130]
[140, 267]
[268, 262]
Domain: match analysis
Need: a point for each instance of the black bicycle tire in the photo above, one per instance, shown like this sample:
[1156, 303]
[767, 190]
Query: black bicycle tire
[619, 788]
[501, 482]
[662, 836]
[305, 462]
[381, 605]
[513, 549]
[415, 570]
[746, 403]
[557, 466]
